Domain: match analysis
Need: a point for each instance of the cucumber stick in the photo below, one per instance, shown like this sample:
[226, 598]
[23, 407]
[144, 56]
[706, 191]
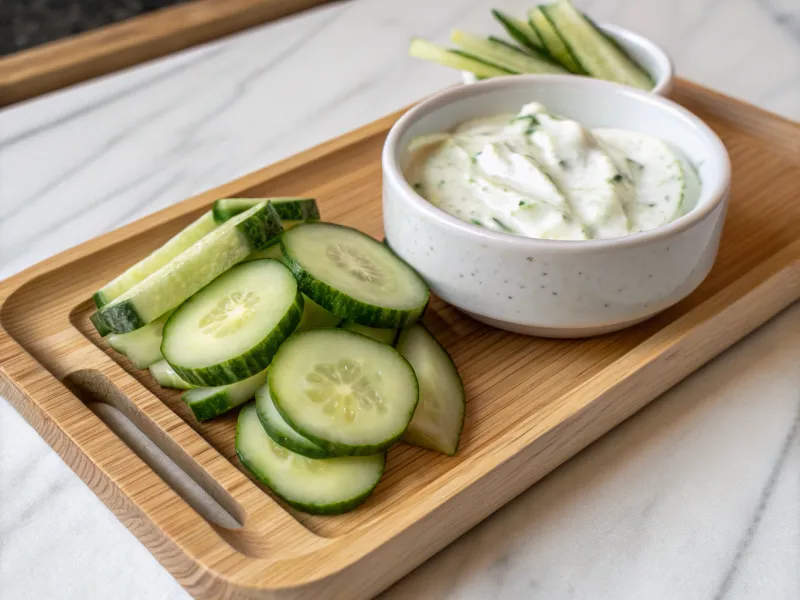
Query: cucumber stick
[354, 276]
[552, 41]
[166, 376]
[590, 47]
[320, 486]
[230, 330]
[439, 416]
[279, 430]
[503, 55]
[192, 269]
[142, 346]
[153, 262]
[520, 31]
[427, 51]
[209, 402]
[345, 392]
[385, 336]
[99, 324]
[314, 316]
[288, 208]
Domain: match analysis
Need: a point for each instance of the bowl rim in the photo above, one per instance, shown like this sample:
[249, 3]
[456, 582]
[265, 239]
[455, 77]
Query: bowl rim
[711, 196]
[666, 70]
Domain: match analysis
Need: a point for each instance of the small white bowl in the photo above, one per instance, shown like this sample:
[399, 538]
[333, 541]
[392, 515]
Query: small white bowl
[649, 55]
[548, 287]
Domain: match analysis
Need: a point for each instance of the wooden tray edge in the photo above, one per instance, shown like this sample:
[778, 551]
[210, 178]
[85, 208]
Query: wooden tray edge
[61, 63]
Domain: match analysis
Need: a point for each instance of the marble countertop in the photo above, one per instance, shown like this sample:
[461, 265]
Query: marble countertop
[696, 497]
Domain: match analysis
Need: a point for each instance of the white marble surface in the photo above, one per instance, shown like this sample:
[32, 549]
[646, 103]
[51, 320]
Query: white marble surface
[698, 496]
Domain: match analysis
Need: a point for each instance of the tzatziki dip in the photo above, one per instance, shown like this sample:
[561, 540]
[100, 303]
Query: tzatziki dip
[539, 175]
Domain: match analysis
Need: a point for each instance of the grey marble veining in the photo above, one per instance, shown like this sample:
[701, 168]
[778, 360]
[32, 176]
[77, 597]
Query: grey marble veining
[698, 496]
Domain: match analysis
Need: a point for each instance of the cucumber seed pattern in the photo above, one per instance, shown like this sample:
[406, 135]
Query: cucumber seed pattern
[230, 314]
[295, 460]
[343, 390]
[354, 262]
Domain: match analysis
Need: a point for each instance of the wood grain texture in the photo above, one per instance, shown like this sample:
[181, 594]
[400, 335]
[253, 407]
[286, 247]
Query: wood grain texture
[65, 62]
[532, 403]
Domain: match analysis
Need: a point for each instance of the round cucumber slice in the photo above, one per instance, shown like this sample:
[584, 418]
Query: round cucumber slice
[279, 430]
[166, 376]
[354, 276]
[315, 317]
[345, 392]
[387, 336]
[230, 330]
[439, 416]
[319, 486]
[209, 402]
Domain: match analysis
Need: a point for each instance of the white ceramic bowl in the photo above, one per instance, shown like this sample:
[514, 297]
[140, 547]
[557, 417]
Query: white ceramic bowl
[549, 287]
[649, 55]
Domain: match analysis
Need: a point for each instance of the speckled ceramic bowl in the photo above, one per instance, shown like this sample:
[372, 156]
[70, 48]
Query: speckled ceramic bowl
[649, 55]
[547, 287]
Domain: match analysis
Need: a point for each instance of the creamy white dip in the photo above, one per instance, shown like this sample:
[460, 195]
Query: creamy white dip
[539, 175]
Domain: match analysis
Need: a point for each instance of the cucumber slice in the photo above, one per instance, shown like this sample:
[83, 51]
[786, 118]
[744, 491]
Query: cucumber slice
[553, 42]
[354, 276]
[166, 376]
[192, 269]
[99, 324]
[142, 346]
[279, 430]
[154, 261]
[439, 416]
[288, 208]
[385, 336]
[273, 251]
[503, 55]
[319, 486]
[315, 317]
[590, 47]
[431, 52]
[520, 31]
[229, 330]
[343, 391]
[209, 402]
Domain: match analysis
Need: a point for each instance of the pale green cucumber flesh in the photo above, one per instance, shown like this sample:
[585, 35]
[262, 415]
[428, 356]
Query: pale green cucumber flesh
[439, 416]
[230, 330]
[385, 336]
[166, 376]
[354, 276]
[317, 486]
[431, 52]
[552, 41]
[209, 402]
[192, 269]
[154, 261]
[273, 251]
[597, 55]
[279, 430]
[315, 317]
[345, 392]
[503, 55]
[288, 208]
[142, 346]
[520, 31]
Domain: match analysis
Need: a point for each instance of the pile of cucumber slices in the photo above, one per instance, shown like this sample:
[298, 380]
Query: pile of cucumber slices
[316, 321]
[555, 39]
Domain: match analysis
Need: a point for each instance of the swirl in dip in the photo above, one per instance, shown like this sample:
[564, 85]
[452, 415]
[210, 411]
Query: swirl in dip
[539, 175]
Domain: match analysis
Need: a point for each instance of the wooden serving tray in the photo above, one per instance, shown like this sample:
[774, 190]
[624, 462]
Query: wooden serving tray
[532, 403]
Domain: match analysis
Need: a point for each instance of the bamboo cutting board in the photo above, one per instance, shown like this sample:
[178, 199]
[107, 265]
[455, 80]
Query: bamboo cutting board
[532, 403]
